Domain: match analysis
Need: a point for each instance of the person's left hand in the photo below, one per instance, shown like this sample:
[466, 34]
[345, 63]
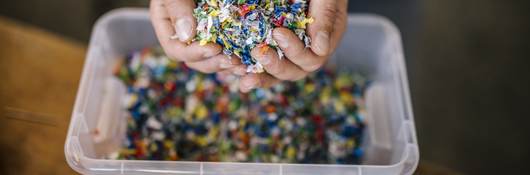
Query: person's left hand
[326, 31]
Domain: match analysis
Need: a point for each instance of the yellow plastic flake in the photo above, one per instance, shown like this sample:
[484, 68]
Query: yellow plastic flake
[153, 147]
[242, 122]
[172, 64]
[212, 135]
[346, 97]
[309, 88]
[213, 3]
[310, 20]
[128, 151]
[202, 141]
[326, 94]
[168, 144]
[202, 112]
[213, 39]
[350, 143]
[227, 45]
[339, 107]
[291, 152]
[133, 98]
[342, 81]
[203, 42]
[302, 24]
[214, 13]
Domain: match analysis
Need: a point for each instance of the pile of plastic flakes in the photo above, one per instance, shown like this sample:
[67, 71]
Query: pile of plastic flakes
[175, 113]
[241, 25]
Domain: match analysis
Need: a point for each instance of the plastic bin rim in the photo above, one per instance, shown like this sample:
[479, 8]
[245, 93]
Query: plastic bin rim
[247, 163]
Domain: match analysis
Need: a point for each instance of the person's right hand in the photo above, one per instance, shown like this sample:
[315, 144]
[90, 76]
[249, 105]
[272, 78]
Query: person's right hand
[175, 18]
[326, 32]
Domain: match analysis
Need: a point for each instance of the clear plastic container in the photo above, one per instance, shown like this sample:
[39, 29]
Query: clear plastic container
[372, 46]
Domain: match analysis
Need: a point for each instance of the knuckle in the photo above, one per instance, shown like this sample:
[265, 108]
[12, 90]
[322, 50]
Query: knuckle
[329, 13]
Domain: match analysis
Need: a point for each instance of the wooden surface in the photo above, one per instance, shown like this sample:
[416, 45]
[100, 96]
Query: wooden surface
[39, 76]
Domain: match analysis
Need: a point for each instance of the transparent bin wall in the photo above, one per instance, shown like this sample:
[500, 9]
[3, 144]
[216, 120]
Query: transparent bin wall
[370, 46]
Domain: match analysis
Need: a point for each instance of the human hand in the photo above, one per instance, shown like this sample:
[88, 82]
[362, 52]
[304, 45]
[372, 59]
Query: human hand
[326, 31]
[175, 28]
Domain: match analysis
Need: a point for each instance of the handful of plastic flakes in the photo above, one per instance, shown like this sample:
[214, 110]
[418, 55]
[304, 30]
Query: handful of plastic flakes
[241, 25]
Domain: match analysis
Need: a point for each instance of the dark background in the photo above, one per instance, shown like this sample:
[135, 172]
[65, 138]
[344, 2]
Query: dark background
[467, 63]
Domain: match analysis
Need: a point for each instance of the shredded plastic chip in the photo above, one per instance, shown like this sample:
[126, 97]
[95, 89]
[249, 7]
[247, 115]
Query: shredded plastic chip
[241, 25]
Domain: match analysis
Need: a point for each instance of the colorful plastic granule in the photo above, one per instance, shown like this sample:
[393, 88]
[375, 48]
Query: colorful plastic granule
[241, 25]
[176, 113]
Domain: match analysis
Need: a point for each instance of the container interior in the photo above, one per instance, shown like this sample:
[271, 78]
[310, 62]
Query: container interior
[369, 47]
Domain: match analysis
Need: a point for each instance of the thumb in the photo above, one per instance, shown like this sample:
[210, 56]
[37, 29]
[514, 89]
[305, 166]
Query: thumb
[181, 14]
[324, 12]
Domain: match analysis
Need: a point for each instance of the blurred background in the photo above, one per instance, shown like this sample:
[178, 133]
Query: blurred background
[467, 64]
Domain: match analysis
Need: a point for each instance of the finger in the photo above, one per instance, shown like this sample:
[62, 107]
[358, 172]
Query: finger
[240, 70]
[296, 51]
[282, 69]
[341, 20]
[324, 12]
[214, 64]
[227, 77]
[163, 28]
[195, 52]
[235, 71]
[174, 48]
[252, 81]
[181, 14]
[223, 75]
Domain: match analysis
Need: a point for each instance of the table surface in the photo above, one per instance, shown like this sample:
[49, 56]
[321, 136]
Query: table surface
[40, 73]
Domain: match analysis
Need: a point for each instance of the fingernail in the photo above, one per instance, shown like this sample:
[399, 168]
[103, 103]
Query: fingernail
[281, 40]
[322, 42]
[183, 29]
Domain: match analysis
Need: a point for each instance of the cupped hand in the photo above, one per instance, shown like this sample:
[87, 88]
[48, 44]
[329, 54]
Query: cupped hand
[175, 28]
[330, 19]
